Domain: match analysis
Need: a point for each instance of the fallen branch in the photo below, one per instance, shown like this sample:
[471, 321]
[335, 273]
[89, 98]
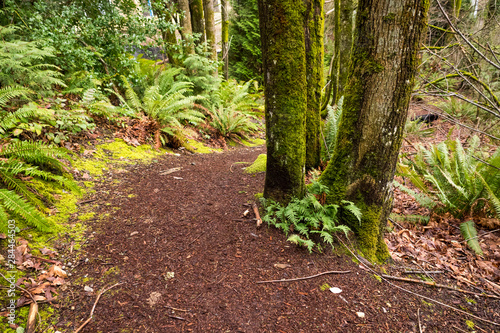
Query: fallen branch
[86, 202]
[93, 307]
[31, 324]
[257, 215]
[434, 284]
[305, 278]
[423, 272]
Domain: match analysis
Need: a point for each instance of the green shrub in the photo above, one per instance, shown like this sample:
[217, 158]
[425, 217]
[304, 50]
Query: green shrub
[450, 179]
[307, 216]
[230, 122]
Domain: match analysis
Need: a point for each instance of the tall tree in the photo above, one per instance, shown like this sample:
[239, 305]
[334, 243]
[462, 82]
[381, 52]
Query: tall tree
[377, 96]
[225, 37]
[346, 22]
[185, 22]
[284, 58]
[208, 9]
[198, 19]
[314, 33]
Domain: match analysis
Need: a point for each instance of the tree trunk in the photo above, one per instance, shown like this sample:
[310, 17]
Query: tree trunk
[314, 33]
[283, 49]
[208, 8]
[345, 43]
[225, 38]
[187, 30]
[197, 19]
[377, 96]
[336, 62]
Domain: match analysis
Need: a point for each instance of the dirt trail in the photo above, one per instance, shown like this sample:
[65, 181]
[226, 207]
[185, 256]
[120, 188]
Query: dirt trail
[187, 266]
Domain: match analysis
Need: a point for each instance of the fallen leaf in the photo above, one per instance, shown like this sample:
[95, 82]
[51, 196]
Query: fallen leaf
[154, 298]
[282, 266]
[55, 270]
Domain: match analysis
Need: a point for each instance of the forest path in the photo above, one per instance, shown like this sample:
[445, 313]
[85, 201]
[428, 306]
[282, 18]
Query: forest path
[186, 265]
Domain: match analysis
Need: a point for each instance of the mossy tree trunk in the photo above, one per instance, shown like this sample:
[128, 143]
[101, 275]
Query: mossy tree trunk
[334, 77]
[187, 30]
[198, 19]
[284, 58]
[346, 21]
[208, 9]
[377, 96]
[314, 34]
[225, 38]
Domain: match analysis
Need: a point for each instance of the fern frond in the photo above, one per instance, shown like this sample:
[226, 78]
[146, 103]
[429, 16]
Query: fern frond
[16, 205]
[10, 92]
[469, 233]
[296, 239]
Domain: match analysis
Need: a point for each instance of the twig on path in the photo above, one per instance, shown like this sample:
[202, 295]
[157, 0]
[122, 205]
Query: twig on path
[257, 215]
[175, 309]
[418, 295]
[93, 308]
[305, 278]
[434, 284]
[86, 202]
[423, 272]
[179, 318]
[31, 323]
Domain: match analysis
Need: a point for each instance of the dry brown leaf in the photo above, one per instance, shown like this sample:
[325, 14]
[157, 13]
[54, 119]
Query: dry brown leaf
[55, 270]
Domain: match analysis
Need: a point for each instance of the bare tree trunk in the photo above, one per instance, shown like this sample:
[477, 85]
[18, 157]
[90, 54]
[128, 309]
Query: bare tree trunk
[197, 19]
[377, 96]
[187, 30]
[314, 34]
[225, 38]
[208, 8]
[283, 49]
[345, 43]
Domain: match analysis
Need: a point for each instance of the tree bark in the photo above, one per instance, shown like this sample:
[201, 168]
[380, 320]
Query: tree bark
[187, 30]
[225, 38]
[197, 19]
[336, 62]
[314, 34]
[208, 8]
[283, 48]
[377, 96]
[345, 43]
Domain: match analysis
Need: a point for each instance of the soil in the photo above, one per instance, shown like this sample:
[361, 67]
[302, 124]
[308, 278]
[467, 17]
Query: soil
[188, 261]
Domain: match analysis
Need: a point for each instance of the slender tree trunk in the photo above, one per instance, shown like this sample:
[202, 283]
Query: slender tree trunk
[187, 30]
[314, 33]
[225, 38]
[283, 49]
[377, 96]
[208, 8]
[336, 62]
[345, 43]
[197, 19]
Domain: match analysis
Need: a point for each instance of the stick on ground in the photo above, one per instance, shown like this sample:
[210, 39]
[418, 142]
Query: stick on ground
[305, 278]
[257, 215]
[93, 308]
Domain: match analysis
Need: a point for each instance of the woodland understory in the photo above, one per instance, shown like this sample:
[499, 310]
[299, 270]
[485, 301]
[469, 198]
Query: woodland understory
[197, 175]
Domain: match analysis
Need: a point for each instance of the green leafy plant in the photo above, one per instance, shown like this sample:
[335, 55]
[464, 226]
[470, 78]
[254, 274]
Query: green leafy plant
[22, 64]
[166, 102]
[469, 233]
[331, 129]
[451, 179]
[199, 70]
[307, 216]
[230, 122]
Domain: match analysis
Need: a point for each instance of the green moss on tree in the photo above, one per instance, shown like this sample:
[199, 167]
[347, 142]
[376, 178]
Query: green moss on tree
[259, 165]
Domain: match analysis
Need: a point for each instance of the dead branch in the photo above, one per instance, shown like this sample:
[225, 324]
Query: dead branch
[93, 307]
[305, 278]
[257, 215]
[434, 284]
[418, 316]
[86, 202]
[423, 272]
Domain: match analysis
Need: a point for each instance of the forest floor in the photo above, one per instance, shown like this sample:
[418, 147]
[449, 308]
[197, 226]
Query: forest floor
[171, 240]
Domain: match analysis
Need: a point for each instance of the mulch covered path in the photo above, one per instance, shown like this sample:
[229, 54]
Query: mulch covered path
[187, 265]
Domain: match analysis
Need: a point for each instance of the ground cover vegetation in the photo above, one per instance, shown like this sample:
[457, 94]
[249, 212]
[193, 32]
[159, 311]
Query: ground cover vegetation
[148, 74]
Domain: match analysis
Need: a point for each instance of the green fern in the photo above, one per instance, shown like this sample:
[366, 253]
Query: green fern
[469, 233]
[331, 129]
[306, 217]
[450, 179]
[230, 122]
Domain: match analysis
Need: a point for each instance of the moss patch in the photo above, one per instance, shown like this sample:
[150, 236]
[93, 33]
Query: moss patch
[87, 216]
[259, 165]
[200, 148]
